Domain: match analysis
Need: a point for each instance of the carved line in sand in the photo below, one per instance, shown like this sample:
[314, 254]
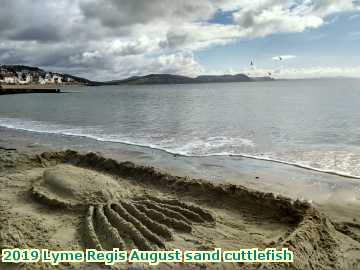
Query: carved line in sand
[146, 221]
[349, 229]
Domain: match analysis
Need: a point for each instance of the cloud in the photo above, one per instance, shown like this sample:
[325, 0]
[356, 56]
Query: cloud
[262, 18]
[354, 36]
[111, 39]
[275, 19]
[354, 17]
[319, 72]
[283, 57]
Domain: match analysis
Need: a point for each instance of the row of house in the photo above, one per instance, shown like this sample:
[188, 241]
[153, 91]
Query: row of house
[29, 77]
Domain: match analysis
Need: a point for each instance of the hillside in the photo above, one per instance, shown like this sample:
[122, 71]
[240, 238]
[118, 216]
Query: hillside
[177, 79]
[155, 79]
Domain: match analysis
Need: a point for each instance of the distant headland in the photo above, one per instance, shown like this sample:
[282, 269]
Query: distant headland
[177, 79]
[29, 75]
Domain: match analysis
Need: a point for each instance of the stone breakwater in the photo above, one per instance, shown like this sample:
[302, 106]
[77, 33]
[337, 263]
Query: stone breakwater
[27, 89]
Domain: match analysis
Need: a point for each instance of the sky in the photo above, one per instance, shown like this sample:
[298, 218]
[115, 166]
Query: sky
[114, 39]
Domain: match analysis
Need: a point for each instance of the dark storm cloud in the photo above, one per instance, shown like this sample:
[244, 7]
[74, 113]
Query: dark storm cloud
[115, 13]
[9, 56]
[46, 33]
[6, 16]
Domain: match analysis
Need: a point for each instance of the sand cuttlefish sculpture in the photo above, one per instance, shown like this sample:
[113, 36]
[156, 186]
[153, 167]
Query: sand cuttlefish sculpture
[114, 215]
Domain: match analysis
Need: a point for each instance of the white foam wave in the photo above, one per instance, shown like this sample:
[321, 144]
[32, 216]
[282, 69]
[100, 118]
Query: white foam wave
[44, 127]
[211, 145]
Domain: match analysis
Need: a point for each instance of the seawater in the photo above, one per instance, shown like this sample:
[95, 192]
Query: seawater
[308, 123]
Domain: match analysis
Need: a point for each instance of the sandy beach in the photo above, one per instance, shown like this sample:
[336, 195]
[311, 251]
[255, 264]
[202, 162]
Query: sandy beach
[50, 200]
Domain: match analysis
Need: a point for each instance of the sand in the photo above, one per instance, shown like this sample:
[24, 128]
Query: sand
[67, 200]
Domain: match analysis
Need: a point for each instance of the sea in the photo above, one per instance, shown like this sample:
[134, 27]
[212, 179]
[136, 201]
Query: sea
[309, 124]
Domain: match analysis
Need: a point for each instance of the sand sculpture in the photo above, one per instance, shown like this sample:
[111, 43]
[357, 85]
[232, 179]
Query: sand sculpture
[113, 215]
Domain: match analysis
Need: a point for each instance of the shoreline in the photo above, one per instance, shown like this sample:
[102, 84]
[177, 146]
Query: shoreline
[176, 154]
[280, 178]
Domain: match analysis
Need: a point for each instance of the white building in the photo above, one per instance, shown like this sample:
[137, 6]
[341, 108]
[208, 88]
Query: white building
[47, 78]
[29, 79]
[56, 79]
[42, 80]
[10, 80]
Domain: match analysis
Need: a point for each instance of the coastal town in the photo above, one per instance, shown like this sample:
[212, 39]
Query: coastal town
[24, 75]
[20, 79]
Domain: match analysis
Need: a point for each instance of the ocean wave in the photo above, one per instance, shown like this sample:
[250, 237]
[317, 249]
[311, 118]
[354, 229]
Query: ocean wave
[211, 146]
